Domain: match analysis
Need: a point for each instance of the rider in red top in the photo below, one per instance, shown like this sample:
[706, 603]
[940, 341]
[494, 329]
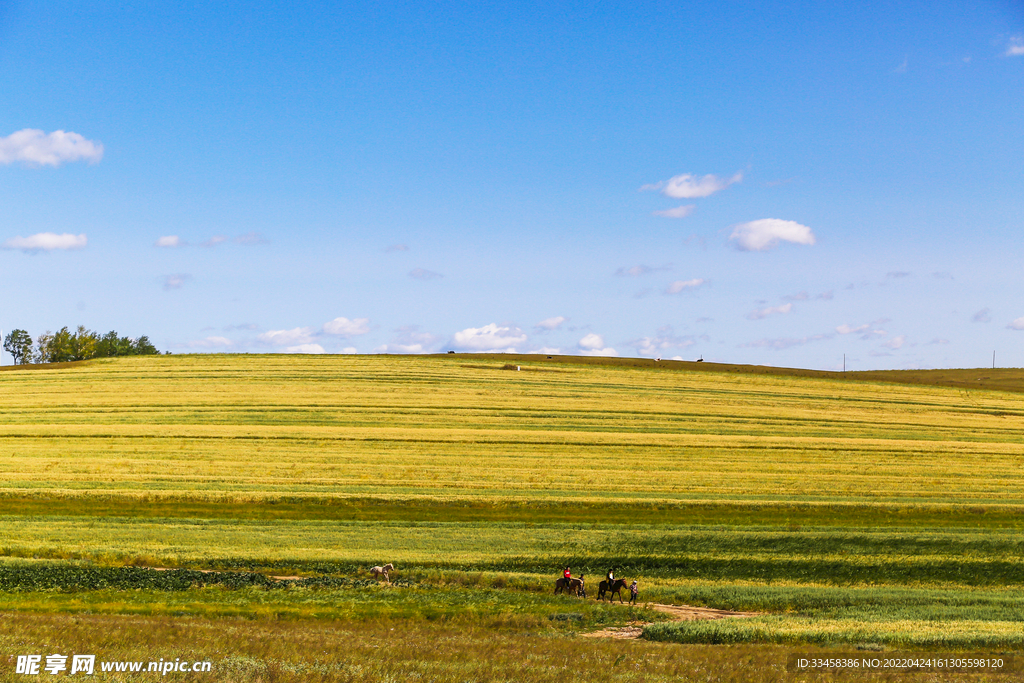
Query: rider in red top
[567, 575]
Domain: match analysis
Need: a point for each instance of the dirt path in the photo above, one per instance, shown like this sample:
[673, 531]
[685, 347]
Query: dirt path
[677, 612]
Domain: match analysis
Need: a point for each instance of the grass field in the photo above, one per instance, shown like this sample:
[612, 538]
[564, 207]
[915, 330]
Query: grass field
[873, 508]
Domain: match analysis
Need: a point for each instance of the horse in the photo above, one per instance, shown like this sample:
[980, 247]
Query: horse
[574, 586]
[377, 572]
[613, 588]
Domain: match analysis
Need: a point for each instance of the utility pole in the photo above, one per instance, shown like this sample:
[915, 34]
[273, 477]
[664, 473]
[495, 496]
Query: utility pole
[993, 360]
[844, 362]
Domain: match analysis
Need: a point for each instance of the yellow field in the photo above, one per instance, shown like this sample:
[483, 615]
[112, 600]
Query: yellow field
[870, 507]
[259, 427]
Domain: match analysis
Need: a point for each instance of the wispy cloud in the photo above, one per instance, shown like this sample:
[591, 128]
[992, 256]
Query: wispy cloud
[896, 342]
[1017, 324]
[424, 274]
[489, 338]
[176, 281]
[689, 186]
[411, 339]
[902, 68]
[46, 241]
[683, 285]
[593, 345]
[982, 316]
[865, 331]
[36, 148]
[1015, 48]
[677, 212]
[253, 238]
[551, 323]
[215, 240]
[343, 327]
[293, 337]
[665, 339]
[396, 248]
[896, 275]
[771, 310]
[170, 241]
[305, 348]
[785, 342]
[764, 234]
[638, 270]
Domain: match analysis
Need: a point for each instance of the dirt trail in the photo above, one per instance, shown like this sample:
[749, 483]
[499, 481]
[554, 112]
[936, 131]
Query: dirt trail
[677, 612]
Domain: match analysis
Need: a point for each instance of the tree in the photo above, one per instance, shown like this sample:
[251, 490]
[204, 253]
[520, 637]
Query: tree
[19, 344]
[83, 344]
[143, 347]
[43, 343]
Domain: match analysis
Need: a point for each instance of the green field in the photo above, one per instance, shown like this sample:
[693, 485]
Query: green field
[873, 510]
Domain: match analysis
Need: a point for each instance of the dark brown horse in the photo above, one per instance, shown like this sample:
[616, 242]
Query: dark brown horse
[613, 588]
[574, 586]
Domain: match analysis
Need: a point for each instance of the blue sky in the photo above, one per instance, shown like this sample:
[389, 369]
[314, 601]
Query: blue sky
[769, 183]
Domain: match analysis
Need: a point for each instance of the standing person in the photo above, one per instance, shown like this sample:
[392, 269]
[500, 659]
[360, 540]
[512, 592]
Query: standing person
[633, 590]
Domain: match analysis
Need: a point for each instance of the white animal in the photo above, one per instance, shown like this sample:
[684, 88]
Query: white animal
[377, 572]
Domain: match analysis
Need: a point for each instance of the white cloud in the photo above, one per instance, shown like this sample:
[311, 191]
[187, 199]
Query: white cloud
[799, 296]
[294, 337]
[764, 234]
[551, 323]
[677, 212]
[593, 345]
[396, 247]
[176, 281]
[864, 330]
[170, 241]
[46, 241]
[211, 342]
[608, 351]
[902, 68]
[215, 240]
[410, 340]
[982, 316]
[1016, 47]
[343, 327]
[350, 350]
[36, 148]
[424, 274]
[680, 285]
[305, 348]
[653, 346]
[1017, 324]
[896, 342]
[489, 338]
[689, 186]
[548, 350]
[771, 310]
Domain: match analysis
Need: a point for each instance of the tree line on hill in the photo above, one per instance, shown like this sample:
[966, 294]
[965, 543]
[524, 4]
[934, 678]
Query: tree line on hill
[64, 345]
